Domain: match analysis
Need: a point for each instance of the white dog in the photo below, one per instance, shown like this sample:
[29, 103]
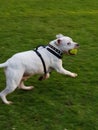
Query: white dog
[39, 61]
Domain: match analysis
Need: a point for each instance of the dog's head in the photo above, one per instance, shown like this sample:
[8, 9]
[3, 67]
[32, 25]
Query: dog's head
[64, 43]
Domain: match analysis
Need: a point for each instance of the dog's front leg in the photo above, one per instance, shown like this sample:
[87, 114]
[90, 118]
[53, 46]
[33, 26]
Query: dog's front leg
[59, 68]
[66, 72]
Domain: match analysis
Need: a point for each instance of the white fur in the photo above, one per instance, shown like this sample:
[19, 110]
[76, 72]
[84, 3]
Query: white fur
[25, 64]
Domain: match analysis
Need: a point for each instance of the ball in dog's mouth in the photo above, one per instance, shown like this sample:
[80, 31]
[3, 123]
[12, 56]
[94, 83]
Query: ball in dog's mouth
[73, 51]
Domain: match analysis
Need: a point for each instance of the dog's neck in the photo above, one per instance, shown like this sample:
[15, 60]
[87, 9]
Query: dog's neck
[54, 51]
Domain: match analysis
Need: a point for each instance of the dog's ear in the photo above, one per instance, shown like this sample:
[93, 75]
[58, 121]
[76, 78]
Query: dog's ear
[58, 42]
[59, 36]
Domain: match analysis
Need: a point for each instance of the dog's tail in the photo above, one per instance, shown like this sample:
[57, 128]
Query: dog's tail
[3, 65]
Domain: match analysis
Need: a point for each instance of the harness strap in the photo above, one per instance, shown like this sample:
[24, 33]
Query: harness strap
[54, 51]
[44, 66]
[60, 57]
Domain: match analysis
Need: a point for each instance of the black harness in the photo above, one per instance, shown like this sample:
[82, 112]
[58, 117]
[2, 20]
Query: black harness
[40, 56]
[52, 50]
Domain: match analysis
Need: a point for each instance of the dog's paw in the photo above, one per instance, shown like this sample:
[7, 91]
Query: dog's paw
[26, 87]
[8, 102]
[73, 75]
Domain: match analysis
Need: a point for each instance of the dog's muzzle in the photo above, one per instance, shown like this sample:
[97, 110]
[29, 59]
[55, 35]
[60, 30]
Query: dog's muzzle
[74, 50]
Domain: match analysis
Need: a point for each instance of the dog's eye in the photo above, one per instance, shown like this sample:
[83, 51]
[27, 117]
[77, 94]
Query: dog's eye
[69, 43]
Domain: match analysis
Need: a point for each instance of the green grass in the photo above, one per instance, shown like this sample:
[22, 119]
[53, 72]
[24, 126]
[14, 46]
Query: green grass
[60, 102]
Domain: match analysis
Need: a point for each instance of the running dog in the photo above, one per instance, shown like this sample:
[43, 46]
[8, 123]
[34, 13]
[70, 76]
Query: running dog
[41, 60]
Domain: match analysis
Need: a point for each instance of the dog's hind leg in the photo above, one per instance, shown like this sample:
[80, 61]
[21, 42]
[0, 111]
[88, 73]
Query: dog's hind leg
[6, 91]
[22, 86]
[13, 79]
[3, 95]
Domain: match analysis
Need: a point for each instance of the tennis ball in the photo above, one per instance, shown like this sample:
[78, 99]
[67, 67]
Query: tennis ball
[73, 51]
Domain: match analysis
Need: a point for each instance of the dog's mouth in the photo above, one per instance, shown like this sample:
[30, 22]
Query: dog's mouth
[71, 51]
[74, 50]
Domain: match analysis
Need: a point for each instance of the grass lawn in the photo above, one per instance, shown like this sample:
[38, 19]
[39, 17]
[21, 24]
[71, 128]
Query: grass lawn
[61, 102]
